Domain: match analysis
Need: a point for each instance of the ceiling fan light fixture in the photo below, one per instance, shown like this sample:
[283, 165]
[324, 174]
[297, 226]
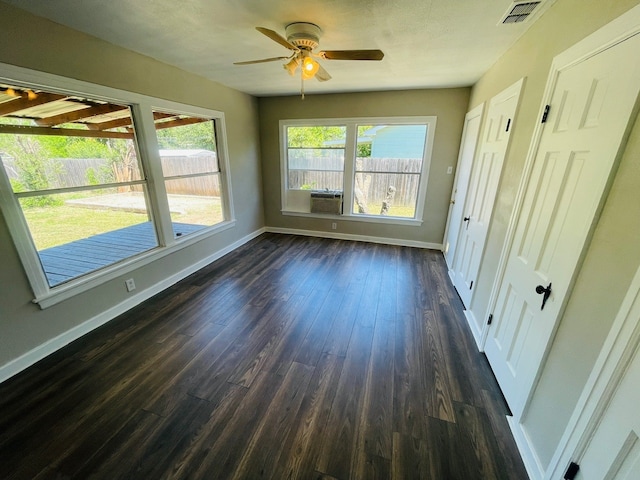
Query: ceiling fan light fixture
[291, 66]
[309, 68]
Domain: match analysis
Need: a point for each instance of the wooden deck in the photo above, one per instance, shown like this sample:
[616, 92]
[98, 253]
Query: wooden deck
[68, 261]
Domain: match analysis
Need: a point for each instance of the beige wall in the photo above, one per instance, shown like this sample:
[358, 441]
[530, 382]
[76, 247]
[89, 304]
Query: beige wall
[32, 42]
[613, 256]
[449, 105]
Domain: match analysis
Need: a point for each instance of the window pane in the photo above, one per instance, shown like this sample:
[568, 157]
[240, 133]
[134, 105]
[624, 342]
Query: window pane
[392, 142]
[187, 144]
[388, 168]
[388, 194]
[194, 203]
[80, 232]
[41, 149]
[315, 157]
[190, 166]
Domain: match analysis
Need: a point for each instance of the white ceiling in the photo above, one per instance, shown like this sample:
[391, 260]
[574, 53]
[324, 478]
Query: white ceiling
[427, 43]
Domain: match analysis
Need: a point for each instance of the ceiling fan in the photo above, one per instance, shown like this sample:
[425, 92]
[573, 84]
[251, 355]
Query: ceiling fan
[302, 39]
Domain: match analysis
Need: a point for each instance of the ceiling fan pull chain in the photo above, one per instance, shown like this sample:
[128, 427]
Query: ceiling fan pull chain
[302, 83]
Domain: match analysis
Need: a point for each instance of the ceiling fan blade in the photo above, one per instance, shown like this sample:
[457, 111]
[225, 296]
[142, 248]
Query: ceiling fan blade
[352, 54]
[276, 37]
[250, 62]
[322, 75]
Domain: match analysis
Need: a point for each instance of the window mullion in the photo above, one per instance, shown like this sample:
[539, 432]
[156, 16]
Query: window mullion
[349, 167]
[152, 166]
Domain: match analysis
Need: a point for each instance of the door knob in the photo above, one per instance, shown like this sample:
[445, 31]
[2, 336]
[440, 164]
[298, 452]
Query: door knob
[466, 219]
[545, 292]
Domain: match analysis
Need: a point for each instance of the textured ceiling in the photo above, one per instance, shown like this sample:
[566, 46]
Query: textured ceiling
[427, 43]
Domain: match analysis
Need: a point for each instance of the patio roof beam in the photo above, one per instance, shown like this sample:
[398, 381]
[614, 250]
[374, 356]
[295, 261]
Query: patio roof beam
[23, 102]
[89, 111]
[124, 122]
[179, 122]
[66, 132]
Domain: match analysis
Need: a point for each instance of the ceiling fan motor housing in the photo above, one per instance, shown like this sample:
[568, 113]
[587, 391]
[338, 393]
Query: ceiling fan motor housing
[303, 35]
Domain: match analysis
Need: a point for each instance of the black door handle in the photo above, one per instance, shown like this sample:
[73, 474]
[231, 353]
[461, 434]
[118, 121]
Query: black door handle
[545, 292]
[466, 219]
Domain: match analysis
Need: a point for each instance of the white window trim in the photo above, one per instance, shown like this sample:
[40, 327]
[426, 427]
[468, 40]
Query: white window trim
[142, 108]
[349, 166]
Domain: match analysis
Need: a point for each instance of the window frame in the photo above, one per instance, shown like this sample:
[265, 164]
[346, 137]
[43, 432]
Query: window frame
[293, 202]
[146, 145]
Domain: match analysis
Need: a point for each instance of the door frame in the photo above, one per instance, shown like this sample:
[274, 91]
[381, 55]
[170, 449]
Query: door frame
[616, 31]
[476, 112]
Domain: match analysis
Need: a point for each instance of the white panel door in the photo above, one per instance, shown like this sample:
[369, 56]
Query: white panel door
[468, 145]
[613, 452]
[482, 190]
[590, 109]
[603, 434]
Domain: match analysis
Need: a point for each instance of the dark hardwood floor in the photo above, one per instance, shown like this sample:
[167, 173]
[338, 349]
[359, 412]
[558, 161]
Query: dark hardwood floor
[291, 357]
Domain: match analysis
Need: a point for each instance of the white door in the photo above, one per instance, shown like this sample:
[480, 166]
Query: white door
[463, 171]
[482, 190]
[590, 108]
[613, 453]
[603, 434]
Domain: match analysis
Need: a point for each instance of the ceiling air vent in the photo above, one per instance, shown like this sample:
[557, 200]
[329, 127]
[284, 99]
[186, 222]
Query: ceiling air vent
[519, 12]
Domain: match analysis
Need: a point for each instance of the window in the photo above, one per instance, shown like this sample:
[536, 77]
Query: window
[93, 186]
[316, 157]
[379, 166]
[191, 171]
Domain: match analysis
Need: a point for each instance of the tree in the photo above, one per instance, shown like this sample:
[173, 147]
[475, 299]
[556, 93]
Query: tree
[194, 136]
[314, 137]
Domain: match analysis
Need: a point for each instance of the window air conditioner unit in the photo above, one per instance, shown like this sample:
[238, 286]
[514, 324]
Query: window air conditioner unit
[326, 201]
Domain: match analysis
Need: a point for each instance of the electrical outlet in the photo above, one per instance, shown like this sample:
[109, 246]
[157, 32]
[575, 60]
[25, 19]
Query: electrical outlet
[449, 170]
[334, 225]
[131, 285]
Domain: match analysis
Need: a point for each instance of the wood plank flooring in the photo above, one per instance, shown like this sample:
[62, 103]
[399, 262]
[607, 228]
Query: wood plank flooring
[290, 358]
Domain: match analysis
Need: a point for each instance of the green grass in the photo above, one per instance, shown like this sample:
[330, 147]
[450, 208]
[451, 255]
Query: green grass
[57, 225]
[60, 224]
[395, 210]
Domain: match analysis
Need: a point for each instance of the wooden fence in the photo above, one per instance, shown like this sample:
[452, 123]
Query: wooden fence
[68, 172]
[315, 169]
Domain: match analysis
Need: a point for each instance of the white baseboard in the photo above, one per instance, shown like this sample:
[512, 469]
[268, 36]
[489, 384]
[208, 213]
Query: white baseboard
[41, 351]
[356, 238]
[529, 457]
[473, 326]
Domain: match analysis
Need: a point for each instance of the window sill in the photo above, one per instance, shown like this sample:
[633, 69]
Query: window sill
[97, 278]
[356, 218]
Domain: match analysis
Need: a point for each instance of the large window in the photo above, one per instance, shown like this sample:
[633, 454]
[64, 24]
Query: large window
[378, 167]
[90, 186]
[191, 171]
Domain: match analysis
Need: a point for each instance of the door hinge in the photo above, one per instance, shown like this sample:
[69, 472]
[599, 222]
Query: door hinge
[572, 471]
[545, 114]
[490, 319]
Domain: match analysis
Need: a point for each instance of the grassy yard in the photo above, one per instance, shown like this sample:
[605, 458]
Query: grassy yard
[395, 210]
[57, 225]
